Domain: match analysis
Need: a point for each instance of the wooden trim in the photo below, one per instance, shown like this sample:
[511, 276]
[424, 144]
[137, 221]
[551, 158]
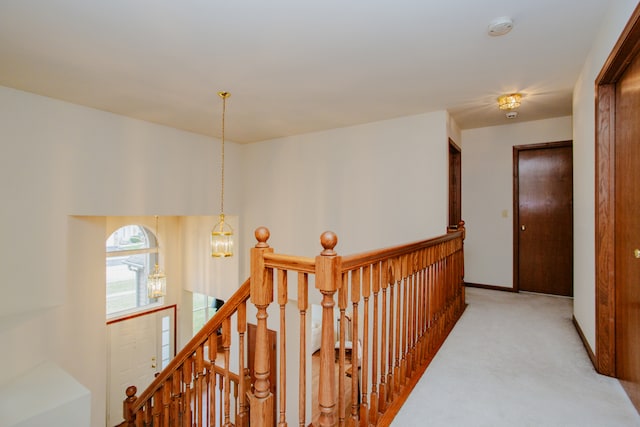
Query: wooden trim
[626, 47]
[516, 200]
[587, 347]
[143, 313]
[605, 229]
[489, 287]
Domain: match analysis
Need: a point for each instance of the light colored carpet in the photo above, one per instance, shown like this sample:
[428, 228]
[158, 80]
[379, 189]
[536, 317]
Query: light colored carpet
[515, 360]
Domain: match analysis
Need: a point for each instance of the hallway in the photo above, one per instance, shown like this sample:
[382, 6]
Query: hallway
[515, 360]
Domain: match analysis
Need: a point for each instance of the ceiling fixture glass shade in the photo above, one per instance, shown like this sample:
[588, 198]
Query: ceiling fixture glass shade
[157, 281]
[509, 102]
[222, 233]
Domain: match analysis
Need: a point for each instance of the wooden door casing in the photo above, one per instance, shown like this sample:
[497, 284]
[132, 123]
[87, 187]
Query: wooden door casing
[543, 218]
[627, 234]
[455, 184]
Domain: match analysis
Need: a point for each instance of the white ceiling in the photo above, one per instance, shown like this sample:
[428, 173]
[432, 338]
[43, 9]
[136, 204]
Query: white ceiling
[296, 66]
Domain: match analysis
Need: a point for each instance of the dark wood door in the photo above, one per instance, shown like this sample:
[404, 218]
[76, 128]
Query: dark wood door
[627, 234]
[543, 234]
[455, 184]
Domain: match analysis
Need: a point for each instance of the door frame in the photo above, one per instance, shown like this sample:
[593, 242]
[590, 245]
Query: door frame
[627, 46]
[516, 201]
[455, 183]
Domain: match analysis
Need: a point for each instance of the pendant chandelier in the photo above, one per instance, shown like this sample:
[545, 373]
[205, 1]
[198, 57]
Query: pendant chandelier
[157, 281]
[222, 233]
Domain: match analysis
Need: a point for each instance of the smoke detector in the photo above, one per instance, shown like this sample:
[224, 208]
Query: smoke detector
[511, 114]
[500, 26]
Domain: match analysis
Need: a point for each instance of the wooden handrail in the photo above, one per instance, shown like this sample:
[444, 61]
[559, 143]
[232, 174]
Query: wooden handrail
[351, 262]
[229, 307]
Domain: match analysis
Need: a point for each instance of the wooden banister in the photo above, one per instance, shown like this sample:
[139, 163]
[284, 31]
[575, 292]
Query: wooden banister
[395, 307]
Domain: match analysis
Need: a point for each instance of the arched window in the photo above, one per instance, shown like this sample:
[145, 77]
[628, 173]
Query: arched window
[132, 252]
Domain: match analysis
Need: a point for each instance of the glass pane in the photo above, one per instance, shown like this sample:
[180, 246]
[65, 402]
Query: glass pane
[130, 237]
[122, 285]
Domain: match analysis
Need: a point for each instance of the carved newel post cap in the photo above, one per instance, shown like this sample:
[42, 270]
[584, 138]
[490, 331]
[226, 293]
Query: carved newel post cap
[131, 391]
[262, 235]
[328, 240]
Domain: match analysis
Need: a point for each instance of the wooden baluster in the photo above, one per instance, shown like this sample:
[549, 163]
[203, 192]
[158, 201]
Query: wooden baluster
[398, 327]
[186, 380]
[384, 345]
[211, 385]
[391, 319]
[243, 415]
[364, 371]
[127, 406]
[411, 300]
[303, 305]
[178, 398]
[373, 411]
[166, 404]
[413, 317]
[355, 299]
[157, 408]
[261, 412]
[226, 346]
[342, 305]
[403, 322]
[148, 412]
[422, 326]
[198, 372]
[282, 302]
[220, 381]
[328, 266]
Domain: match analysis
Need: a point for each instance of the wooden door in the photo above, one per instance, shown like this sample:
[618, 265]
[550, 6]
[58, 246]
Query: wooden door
[627, 234]
[455, 184]
[543, 218]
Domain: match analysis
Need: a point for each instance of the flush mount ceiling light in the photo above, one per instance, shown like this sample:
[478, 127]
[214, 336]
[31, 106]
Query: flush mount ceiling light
[510, 101]
[500, 26]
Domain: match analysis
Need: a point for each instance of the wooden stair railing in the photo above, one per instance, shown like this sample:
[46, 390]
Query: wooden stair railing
[195, 389]
[402, 303]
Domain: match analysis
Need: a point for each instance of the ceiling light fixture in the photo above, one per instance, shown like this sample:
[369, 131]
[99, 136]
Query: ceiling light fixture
[510, 101]
[157, 281]
[222, 233]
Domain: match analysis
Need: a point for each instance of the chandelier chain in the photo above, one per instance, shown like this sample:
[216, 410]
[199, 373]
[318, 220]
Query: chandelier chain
[224, 96]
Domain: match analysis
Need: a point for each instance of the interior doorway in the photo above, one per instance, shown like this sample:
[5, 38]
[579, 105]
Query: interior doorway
[543, 218]
[617, 205]
[455, 184]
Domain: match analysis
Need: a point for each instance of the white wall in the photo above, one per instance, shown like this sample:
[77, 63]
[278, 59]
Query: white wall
[374, 185]
[487, 193]
[64, 168]
[584, 166]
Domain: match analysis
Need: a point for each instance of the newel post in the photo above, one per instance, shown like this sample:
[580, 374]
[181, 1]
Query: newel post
[328, 280]
[127, 406]
[261, 401]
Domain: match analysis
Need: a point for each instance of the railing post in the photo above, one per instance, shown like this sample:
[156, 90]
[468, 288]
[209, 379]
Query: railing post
[328, 281]
[127, 406]
[261, 401]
